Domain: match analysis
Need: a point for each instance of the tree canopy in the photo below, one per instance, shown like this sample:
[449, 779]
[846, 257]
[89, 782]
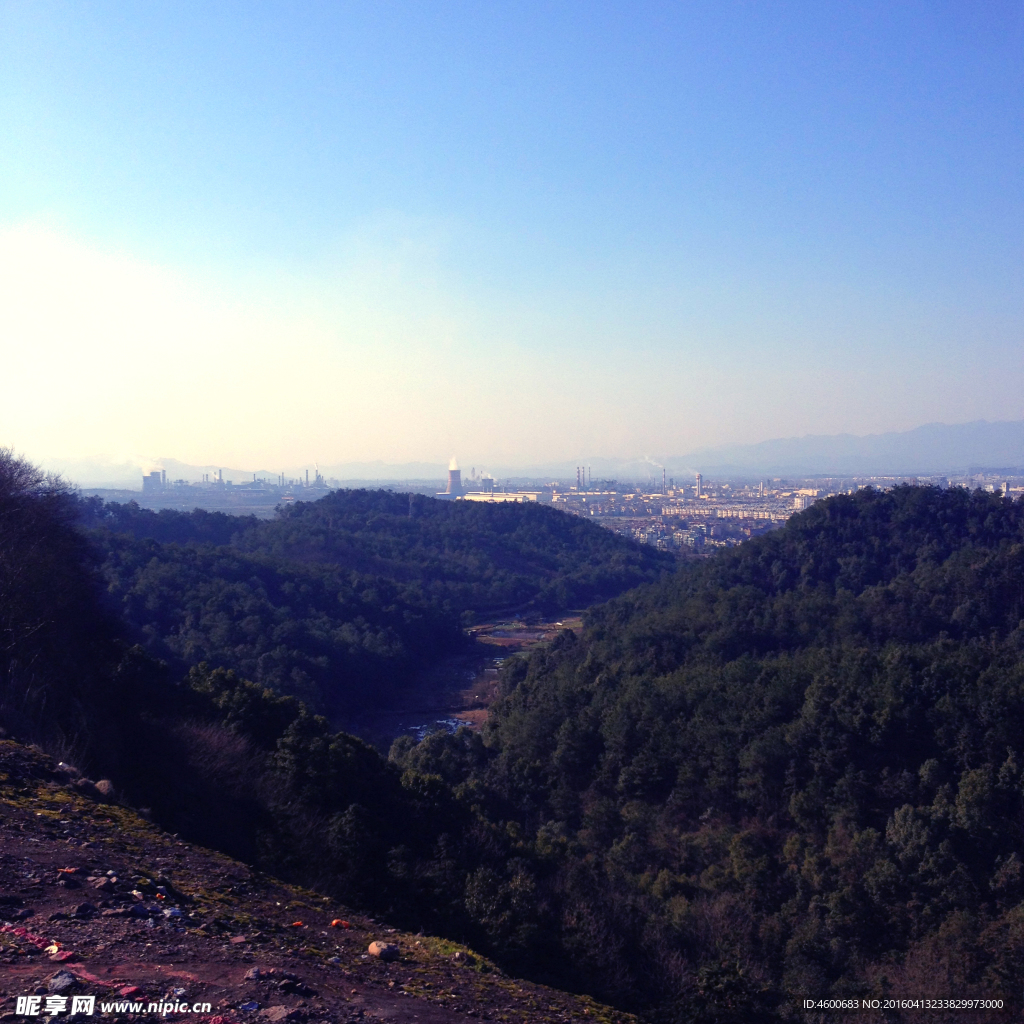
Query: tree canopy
[341, 601]
[798, 763]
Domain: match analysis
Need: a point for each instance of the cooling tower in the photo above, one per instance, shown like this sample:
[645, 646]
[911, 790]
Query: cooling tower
[454, 489]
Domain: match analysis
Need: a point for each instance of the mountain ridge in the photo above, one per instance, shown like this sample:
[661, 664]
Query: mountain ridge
[932, 448]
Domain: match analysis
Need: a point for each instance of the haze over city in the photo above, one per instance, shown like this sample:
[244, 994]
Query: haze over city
[259, 236]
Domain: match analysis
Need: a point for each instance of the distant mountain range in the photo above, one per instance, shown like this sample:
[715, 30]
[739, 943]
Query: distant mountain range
[936, 448]
[932, 449]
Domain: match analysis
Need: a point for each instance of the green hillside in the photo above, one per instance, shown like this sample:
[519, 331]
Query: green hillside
[340, 601]
[795, 768]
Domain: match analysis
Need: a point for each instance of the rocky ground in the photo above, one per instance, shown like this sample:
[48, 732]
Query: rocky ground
[96, 901]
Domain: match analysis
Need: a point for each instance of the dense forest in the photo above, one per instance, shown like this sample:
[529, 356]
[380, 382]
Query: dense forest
[341, 601]
[795, 767]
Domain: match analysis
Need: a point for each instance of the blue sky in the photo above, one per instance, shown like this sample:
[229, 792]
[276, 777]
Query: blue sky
[513, 231]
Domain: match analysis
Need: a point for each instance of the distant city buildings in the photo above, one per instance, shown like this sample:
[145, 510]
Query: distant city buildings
[497, 497]
[258, 496]
[688, 519]
[724, 513]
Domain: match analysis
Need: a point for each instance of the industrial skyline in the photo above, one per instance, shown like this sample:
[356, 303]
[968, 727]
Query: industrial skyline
[933, 449]
[690, 515]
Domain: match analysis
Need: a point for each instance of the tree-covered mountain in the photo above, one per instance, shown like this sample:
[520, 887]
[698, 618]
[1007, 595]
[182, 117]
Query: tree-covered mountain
[342, 600]
[468, 557]
[793, 769]
[471, 557]
[222, 759]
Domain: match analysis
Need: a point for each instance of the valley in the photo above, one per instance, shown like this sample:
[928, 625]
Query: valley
[458, 691]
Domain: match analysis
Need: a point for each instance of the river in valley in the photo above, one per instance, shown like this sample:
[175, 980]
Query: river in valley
[458, 691]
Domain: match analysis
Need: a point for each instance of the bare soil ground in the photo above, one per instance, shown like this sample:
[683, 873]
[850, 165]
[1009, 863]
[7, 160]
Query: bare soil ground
[136, 915]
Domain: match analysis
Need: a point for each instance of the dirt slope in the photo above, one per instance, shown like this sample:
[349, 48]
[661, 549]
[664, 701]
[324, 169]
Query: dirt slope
[134, 915]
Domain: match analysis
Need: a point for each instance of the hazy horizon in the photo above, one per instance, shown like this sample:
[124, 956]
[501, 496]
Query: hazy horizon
[355, 233]
[930, 449]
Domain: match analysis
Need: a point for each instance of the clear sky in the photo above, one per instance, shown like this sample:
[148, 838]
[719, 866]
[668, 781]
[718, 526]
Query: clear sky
[262, 233]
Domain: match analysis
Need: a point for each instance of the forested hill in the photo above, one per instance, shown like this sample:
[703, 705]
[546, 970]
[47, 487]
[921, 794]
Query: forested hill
[475, 556]
[795, 768]
[901, 565]
[225, 760]
[342, 600]
[472, 557]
